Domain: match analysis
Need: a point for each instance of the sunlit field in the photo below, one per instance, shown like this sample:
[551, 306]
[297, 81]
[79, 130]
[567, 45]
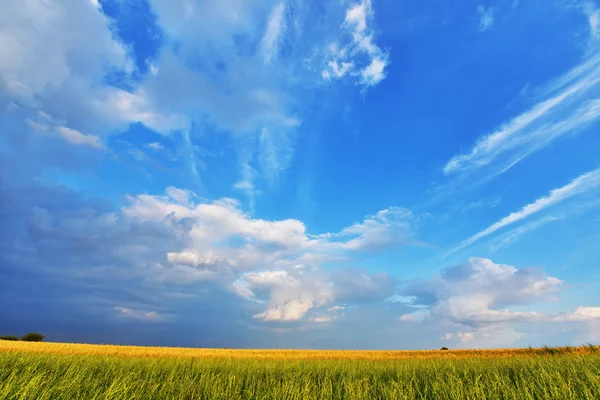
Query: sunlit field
[77, 371]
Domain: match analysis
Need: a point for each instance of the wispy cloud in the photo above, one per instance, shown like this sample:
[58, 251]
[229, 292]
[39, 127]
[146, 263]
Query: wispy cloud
[156, 146]
[486, 18]
[567, 107]
[478, 204]
[579, 185]
[43, 123]
[191, 154]
[125, 312]
[513, 235]
[76, 137]
[593, 14]
[274, 31]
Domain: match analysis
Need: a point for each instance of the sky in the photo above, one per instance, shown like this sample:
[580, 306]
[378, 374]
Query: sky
[349, 174]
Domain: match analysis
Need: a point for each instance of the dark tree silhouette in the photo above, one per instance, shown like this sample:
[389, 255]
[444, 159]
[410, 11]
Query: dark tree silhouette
[32, 337]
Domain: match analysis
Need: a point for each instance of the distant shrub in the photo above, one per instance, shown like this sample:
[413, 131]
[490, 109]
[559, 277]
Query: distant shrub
[444, 348]
[32, 337]
[10, 337]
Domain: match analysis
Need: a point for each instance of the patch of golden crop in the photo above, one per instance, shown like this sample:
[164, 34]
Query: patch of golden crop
[260, 354]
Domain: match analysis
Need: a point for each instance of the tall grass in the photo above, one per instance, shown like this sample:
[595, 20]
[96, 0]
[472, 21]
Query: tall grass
[540, 374]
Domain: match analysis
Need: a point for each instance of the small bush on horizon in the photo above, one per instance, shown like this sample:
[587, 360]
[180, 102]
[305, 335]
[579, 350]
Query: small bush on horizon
[32, 337]
[9, 337]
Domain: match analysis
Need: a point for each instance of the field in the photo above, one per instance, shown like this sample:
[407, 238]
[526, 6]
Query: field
[75, 371]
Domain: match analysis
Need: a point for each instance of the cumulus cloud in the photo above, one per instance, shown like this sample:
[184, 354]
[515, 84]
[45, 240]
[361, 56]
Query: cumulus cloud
[224, 243]
[357, 54]
[178, 239]
[36, 33]
[586, 320]
[482, 292]
[485, 304]
[291, 294]
[581, 314]
[70, 89]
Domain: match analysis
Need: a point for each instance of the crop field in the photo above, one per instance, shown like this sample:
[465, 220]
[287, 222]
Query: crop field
[77, 371]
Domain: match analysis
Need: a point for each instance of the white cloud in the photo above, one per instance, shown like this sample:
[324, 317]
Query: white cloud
[290, 295]
[76, 137]
[35, 33]
[357, 15]
[272, 37]
[407, 318]
[578, 186]
[74, 43]
[499, 335]
[118, 105]
[485, 304]
[125, 312]
[581, 314]
[588, 319]
[249, 92]
[323, 319]
[244, 185]
[336, 69]
[194, 258]
[374, 72]
[593, 15]
[387, 227]
[156, 146]
[482, 292]
[43, 123]
[515, 234]
[272, 262]
[358, 55]
[486, 18]
[216, 21]
[478, 204]
[567, 108]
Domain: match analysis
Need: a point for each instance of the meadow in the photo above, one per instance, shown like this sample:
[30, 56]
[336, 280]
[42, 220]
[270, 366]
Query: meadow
[77, 371]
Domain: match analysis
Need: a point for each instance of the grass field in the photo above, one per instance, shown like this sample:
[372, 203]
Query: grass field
[74, 371]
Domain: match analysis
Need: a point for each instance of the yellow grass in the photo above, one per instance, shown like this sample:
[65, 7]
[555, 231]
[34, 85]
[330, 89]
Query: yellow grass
[55, 371]
[260, 354]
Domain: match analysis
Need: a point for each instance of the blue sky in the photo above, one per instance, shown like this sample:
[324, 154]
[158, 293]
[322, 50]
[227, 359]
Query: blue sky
[301, 174]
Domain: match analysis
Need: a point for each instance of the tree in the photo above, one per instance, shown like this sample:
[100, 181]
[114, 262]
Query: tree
[32, 337]
[9, 337]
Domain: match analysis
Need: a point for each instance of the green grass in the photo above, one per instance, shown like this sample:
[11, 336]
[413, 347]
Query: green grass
[44, 376]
